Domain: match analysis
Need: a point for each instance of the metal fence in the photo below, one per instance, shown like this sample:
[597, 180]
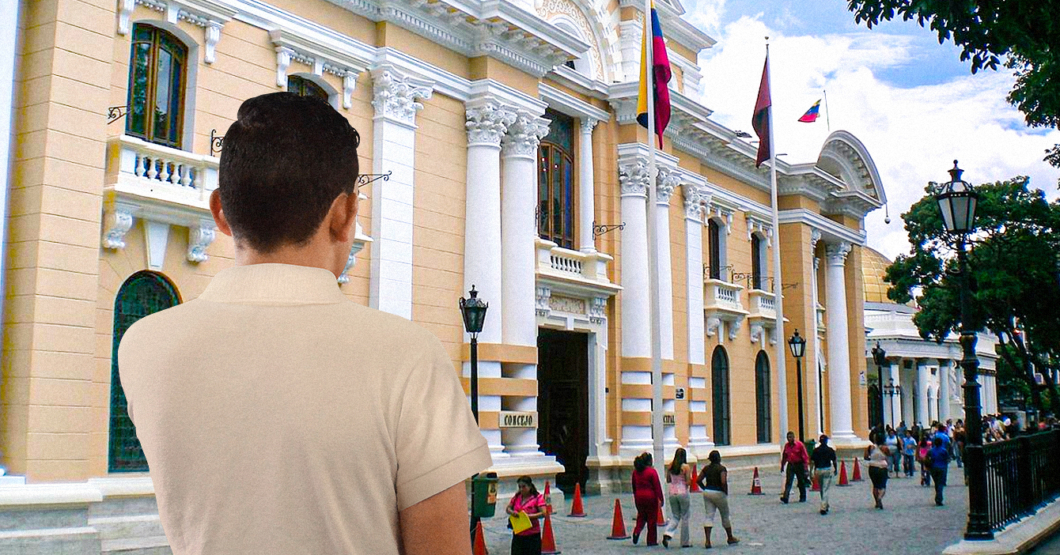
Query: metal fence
[1022, 474]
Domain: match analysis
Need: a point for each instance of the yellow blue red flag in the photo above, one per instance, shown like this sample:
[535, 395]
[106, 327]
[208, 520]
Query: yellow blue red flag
[661, 77]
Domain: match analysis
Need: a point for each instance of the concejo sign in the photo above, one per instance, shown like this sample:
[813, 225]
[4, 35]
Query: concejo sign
[669, 419]
[515, 419]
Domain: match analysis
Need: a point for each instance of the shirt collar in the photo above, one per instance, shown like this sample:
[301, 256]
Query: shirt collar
[272, 283]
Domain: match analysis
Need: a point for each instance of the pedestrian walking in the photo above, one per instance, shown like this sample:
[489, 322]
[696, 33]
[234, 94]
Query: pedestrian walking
[939, 459]
[877, 455]
[647, 495]
[527, 500]
[960, 437]
[714, 481]
[795, 459]
[922, 453]
[892, 443]
[824, 467]
[908, 454]
[678, 476]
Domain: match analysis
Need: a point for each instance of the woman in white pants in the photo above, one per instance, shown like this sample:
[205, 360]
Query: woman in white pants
[678, 476]
[714, 481]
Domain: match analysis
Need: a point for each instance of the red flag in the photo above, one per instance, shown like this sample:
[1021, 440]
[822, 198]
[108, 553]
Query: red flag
[760, 120]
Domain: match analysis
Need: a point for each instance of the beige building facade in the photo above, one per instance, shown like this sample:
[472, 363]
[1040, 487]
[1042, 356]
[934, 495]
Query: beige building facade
[513, 162]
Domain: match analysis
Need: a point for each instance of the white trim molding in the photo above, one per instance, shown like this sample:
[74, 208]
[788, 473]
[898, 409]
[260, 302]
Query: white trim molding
[208, 14]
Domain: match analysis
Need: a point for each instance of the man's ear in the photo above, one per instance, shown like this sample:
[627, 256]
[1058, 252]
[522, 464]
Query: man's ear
[343, 215]
[218, 214]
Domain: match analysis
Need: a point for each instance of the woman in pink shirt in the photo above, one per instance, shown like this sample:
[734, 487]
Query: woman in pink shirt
[648, 496]
[527, 500]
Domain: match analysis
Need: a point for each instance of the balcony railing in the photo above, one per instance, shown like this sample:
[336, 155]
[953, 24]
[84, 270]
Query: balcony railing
[723, 295]
[574, 268]
[162, 173]
[763, 305]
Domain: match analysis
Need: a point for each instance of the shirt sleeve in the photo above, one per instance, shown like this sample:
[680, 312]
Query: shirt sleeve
[438, 443]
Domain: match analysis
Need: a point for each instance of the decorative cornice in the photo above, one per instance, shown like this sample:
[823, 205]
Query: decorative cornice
[208, 14]
[570, 105]
[524, 134]
[396, 95]
[322, 58]
[829, 229]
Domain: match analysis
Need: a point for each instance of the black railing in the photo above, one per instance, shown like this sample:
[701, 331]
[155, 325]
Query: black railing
[1021, 476]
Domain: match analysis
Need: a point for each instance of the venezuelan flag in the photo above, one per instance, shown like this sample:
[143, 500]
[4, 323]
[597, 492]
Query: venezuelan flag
[811, 115]
[660, 73]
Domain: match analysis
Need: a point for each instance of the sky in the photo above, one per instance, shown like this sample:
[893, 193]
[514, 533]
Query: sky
[910, 100]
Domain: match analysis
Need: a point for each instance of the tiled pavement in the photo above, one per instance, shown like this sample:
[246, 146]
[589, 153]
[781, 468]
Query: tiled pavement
[910, 522]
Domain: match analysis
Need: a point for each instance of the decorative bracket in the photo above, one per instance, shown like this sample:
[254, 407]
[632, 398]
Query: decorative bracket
[369, 178]
[115, 113]
[216, 142]
[601, 229]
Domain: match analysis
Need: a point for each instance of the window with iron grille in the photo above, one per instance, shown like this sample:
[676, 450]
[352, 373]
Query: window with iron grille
[762, 401]
[142, 294]
[304, 87]
[157, 75]
[555, 185]
[719, 377]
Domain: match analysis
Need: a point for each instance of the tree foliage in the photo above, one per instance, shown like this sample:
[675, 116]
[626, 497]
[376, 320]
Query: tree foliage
[1022, 35]
[1014, 275]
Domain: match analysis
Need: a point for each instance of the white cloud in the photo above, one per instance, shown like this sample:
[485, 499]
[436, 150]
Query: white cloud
[705, 14]
[912, 133]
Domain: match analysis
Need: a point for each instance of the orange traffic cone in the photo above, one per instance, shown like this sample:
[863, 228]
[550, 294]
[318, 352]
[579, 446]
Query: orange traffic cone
[548, 540]
[618, 525]
[660, 519]
[756, 484]
[816, 485]
[857, 471]
[843, 474]
[480, 543]
[695, 482]
[548, 497]
[576, 509]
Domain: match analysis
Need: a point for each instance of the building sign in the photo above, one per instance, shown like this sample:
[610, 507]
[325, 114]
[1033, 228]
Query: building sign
[669, 419]
[514, 419]
[680, 393]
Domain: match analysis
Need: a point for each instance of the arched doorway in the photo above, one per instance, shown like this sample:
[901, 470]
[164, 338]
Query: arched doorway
[144, 293]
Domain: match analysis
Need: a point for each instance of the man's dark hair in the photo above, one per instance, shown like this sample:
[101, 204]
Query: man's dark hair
[285, 160]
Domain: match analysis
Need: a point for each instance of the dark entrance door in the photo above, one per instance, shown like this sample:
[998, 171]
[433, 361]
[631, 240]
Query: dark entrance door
[563, 402]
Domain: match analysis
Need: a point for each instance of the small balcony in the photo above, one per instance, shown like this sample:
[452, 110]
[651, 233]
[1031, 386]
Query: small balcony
[763, 316]
[722, 304]
[572, 282]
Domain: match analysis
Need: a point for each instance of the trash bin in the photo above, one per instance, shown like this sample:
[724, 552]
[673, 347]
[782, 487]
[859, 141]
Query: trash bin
[484, 495]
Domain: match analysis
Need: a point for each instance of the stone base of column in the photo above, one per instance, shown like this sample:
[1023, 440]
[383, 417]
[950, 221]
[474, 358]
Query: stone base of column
[845, 438]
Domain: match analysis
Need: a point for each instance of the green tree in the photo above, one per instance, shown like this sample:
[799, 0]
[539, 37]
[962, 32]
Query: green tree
[1021, 35]
[1014, 271]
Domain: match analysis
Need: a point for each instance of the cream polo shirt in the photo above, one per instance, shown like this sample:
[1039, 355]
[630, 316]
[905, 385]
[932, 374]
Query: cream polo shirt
[279, 417]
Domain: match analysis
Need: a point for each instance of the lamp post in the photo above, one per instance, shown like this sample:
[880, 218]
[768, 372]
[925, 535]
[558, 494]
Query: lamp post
[892, 391]
[957, 204]
[879, 356]
[798, 348]
[474, 312]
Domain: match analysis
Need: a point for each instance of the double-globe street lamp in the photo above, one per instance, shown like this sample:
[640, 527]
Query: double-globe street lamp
[798, 349]
[474, 312]
[957, 203]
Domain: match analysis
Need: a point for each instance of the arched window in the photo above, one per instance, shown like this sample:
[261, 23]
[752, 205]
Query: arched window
[762, 401]
[715, 247]
[157, 78]
[719, 377]
[142, 294]
[555, 185]
[304, 87]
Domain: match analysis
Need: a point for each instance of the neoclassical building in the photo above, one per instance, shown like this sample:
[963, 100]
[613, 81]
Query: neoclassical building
[922, 379]
[507, 131]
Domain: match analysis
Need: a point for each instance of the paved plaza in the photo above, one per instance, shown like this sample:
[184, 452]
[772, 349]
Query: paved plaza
[910, 523]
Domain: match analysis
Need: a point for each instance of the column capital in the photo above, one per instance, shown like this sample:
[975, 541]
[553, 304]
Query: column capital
[395, 95]
[693, 202]
[487, 123]
[837, 253]
[665, 182]
[815, 236]
[588, 124]
[524, 134]
[633, 178]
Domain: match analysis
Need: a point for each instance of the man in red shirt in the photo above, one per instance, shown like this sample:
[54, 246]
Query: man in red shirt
[796, 459]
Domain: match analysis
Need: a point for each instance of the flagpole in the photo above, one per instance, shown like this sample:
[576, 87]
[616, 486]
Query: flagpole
[653, 255]
[778, 283]
[827, 117]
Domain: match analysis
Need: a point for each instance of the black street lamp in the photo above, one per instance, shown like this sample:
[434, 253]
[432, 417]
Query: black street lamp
[893, 390]
[879, 356]
[957, 204]
[474, 312]
[798, 349]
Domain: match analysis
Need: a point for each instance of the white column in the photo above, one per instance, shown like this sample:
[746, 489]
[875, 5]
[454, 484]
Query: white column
[908, 378]
[944, 390]
[9, 43]
[519, 185]
[586, 188]
[636, 335]
[922, 414]
[394, 145]
[486, 124]
[698, 439]
[664, 187]
[838, 348]
[814, 363]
